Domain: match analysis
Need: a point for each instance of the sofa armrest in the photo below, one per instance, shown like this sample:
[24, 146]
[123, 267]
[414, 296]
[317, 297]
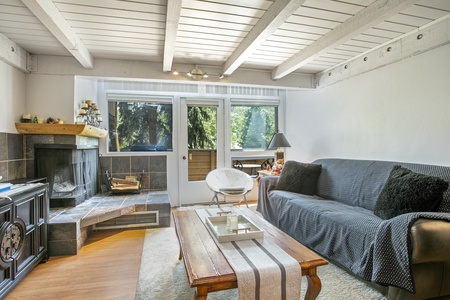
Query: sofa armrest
[430, 240]
[268, 183]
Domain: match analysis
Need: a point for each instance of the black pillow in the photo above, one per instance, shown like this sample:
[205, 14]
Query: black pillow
[299, 177]
[406, 191]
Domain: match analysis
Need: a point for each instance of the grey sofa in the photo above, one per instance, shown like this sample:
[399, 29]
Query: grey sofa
[408, 255]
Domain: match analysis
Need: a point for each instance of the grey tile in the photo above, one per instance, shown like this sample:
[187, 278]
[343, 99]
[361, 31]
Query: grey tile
[104, 164]
[30, 168]
[158, 181]
[140, 207]
[139, 163]
[158, 164]
[16, 169]
[89, 221]
[31, 140]
[63, 247]
[4, 170]
[65, 139]
[164, 221]
[120, 165]
[3, 146]
[67, 231]
[15, 146]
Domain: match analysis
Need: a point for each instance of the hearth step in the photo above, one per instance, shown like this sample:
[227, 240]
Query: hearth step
[70, 227]
[133, 220]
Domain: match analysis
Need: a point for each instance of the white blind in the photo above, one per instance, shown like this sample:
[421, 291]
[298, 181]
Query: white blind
[113, 97]
[256, 102]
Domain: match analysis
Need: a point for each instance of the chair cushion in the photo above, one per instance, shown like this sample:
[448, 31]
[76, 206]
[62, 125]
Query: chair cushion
[299, 177]
[233, 190]
[406, 191]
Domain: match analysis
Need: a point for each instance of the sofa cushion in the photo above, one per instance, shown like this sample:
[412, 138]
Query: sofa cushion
[406, 191]
[299, 177]
[352, 182]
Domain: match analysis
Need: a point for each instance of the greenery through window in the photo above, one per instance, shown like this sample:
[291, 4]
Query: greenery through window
[140, 126]
[252, 127]
[202, 127]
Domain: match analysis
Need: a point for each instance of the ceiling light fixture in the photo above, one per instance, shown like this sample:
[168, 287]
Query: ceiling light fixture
[197, 74]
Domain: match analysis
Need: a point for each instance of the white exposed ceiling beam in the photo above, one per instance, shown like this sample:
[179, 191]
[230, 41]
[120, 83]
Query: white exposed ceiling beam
[13, 54]
[362, 21]
[51, 17]
[274, 17]
[172, 21]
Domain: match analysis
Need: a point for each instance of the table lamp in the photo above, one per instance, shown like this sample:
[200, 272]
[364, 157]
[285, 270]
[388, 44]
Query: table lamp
[278, 140]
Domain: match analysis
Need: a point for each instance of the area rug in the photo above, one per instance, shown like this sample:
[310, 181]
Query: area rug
[162, 275]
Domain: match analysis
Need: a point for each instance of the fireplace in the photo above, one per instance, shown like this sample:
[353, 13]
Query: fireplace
[71, 171]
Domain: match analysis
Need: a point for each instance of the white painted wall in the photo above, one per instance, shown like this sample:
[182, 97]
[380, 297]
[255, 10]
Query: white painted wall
[50, 96]
[399, 112]
[85, 89]
[12, 97]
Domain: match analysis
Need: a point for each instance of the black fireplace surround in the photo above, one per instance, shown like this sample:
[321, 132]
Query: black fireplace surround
[71, 171]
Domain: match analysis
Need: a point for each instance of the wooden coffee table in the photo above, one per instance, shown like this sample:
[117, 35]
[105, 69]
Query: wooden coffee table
[208, 270]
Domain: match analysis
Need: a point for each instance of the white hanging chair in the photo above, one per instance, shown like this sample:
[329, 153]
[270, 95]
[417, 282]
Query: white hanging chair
[229, 182]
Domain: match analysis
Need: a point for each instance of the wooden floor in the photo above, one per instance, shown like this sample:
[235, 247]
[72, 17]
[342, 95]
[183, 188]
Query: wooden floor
[106, 268]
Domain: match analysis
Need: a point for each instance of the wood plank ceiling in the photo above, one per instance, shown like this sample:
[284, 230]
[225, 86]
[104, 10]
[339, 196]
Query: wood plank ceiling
[283, 36]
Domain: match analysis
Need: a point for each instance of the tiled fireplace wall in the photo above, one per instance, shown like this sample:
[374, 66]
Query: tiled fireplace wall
[154, 167]
[17, 162]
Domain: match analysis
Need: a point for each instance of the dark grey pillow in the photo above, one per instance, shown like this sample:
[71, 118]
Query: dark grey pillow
[406, 191]
[299, 177]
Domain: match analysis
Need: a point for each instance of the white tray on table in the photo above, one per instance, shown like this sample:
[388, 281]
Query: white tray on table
[246, 229]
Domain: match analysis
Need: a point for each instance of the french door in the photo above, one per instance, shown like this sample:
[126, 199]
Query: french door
[201, 147]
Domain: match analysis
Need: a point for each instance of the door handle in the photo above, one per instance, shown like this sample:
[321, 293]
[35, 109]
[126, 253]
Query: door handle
[184, 157]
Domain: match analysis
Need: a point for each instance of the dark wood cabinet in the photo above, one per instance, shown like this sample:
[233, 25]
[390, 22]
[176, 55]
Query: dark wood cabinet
[23, 232]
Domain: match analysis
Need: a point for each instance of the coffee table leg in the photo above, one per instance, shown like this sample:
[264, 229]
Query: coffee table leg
[314, 285]
[201, 293]
[180, 256]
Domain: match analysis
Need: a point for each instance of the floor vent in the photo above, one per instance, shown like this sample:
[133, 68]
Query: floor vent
[133, 220]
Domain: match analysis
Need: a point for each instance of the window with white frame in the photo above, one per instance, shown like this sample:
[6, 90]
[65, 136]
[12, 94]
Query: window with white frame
[139, 123]
[252, 124]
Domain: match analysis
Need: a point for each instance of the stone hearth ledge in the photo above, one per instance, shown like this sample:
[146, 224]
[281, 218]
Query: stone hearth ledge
[70, 227]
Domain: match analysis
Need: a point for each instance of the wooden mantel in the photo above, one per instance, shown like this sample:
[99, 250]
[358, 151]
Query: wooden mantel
[65, 129]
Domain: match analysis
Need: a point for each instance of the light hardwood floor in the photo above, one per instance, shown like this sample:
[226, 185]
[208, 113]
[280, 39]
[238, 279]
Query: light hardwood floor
[106, 268]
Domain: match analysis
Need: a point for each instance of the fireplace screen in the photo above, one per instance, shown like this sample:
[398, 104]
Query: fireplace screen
[71, 173]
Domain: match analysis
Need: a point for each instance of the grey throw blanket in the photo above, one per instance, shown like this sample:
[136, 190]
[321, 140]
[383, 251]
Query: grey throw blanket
[374, 249]
[391, 253]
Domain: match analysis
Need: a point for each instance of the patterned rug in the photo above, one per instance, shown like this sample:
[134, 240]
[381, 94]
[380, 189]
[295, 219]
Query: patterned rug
[162, 275]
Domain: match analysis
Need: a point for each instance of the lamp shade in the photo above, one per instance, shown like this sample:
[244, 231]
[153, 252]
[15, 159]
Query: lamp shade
[278, 140]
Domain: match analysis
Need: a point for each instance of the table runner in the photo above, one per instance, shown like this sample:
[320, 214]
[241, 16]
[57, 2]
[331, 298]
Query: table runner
[263, 269]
